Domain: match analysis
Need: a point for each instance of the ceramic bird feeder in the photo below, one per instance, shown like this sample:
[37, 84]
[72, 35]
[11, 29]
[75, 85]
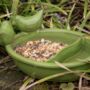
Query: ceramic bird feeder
[75, 56]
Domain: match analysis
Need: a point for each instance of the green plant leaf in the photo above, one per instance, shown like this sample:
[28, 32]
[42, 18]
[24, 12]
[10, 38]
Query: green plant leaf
[69, 86]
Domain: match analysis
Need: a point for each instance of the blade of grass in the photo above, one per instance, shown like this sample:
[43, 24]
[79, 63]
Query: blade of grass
[56, 7]
[81, 29]
[29, 80]
[85, 60]
[76, 72]
[48, 5]
[87, 26]
[51, 23]
[62, 66]
[85, 8]
[46, 78]
[69, 17]
[85, 20]
[14, 9]
[51, 77]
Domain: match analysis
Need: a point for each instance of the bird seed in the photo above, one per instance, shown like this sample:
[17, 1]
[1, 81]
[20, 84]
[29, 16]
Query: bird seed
[40, 50]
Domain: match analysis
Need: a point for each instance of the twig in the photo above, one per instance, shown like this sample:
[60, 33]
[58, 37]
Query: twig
[83, 30]
[4, 59]
[7, 11]
[13, 83]
[80, 81]
[4, 69]
[5, 15]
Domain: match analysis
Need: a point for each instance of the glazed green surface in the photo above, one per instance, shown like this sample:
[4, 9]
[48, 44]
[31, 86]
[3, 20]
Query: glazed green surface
[7, 33]
[73, 41]
[25, 60]
[42, 69]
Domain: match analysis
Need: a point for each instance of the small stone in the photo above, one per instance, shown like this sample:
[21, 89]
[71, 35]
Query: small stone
[42, 40]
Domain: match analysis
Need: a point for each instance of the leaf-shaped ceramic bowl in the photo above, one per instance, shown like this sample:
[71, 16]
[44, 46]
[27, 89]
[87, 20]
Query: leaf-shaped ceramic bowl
[69, 58]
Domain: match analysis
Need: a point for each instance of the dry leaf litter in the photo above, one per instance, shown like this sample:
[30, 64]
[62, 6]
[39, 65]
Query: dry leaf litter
[40, 50]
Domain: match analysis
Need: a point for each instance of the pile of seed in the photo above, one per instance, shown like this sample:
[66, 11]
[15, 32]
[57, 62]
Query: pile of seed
[40, 50]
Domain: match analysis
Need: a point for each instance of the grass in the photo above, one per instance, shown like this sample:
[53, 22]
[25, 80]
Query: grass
[70, 13]
[64, 14]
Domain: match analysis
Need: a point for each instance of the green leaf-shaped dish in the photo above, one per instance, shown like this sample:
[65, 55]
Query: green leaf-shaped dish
[71, 56]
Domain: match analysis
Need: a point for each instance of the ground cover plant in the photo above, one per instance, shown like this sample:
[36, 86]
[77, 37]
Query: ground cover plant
[70, 15]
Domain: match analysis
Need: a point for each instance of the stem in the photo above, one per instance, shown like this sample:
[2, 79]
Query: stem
[56, 7]
[29, 80]
[54, 76]
[46, 78]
